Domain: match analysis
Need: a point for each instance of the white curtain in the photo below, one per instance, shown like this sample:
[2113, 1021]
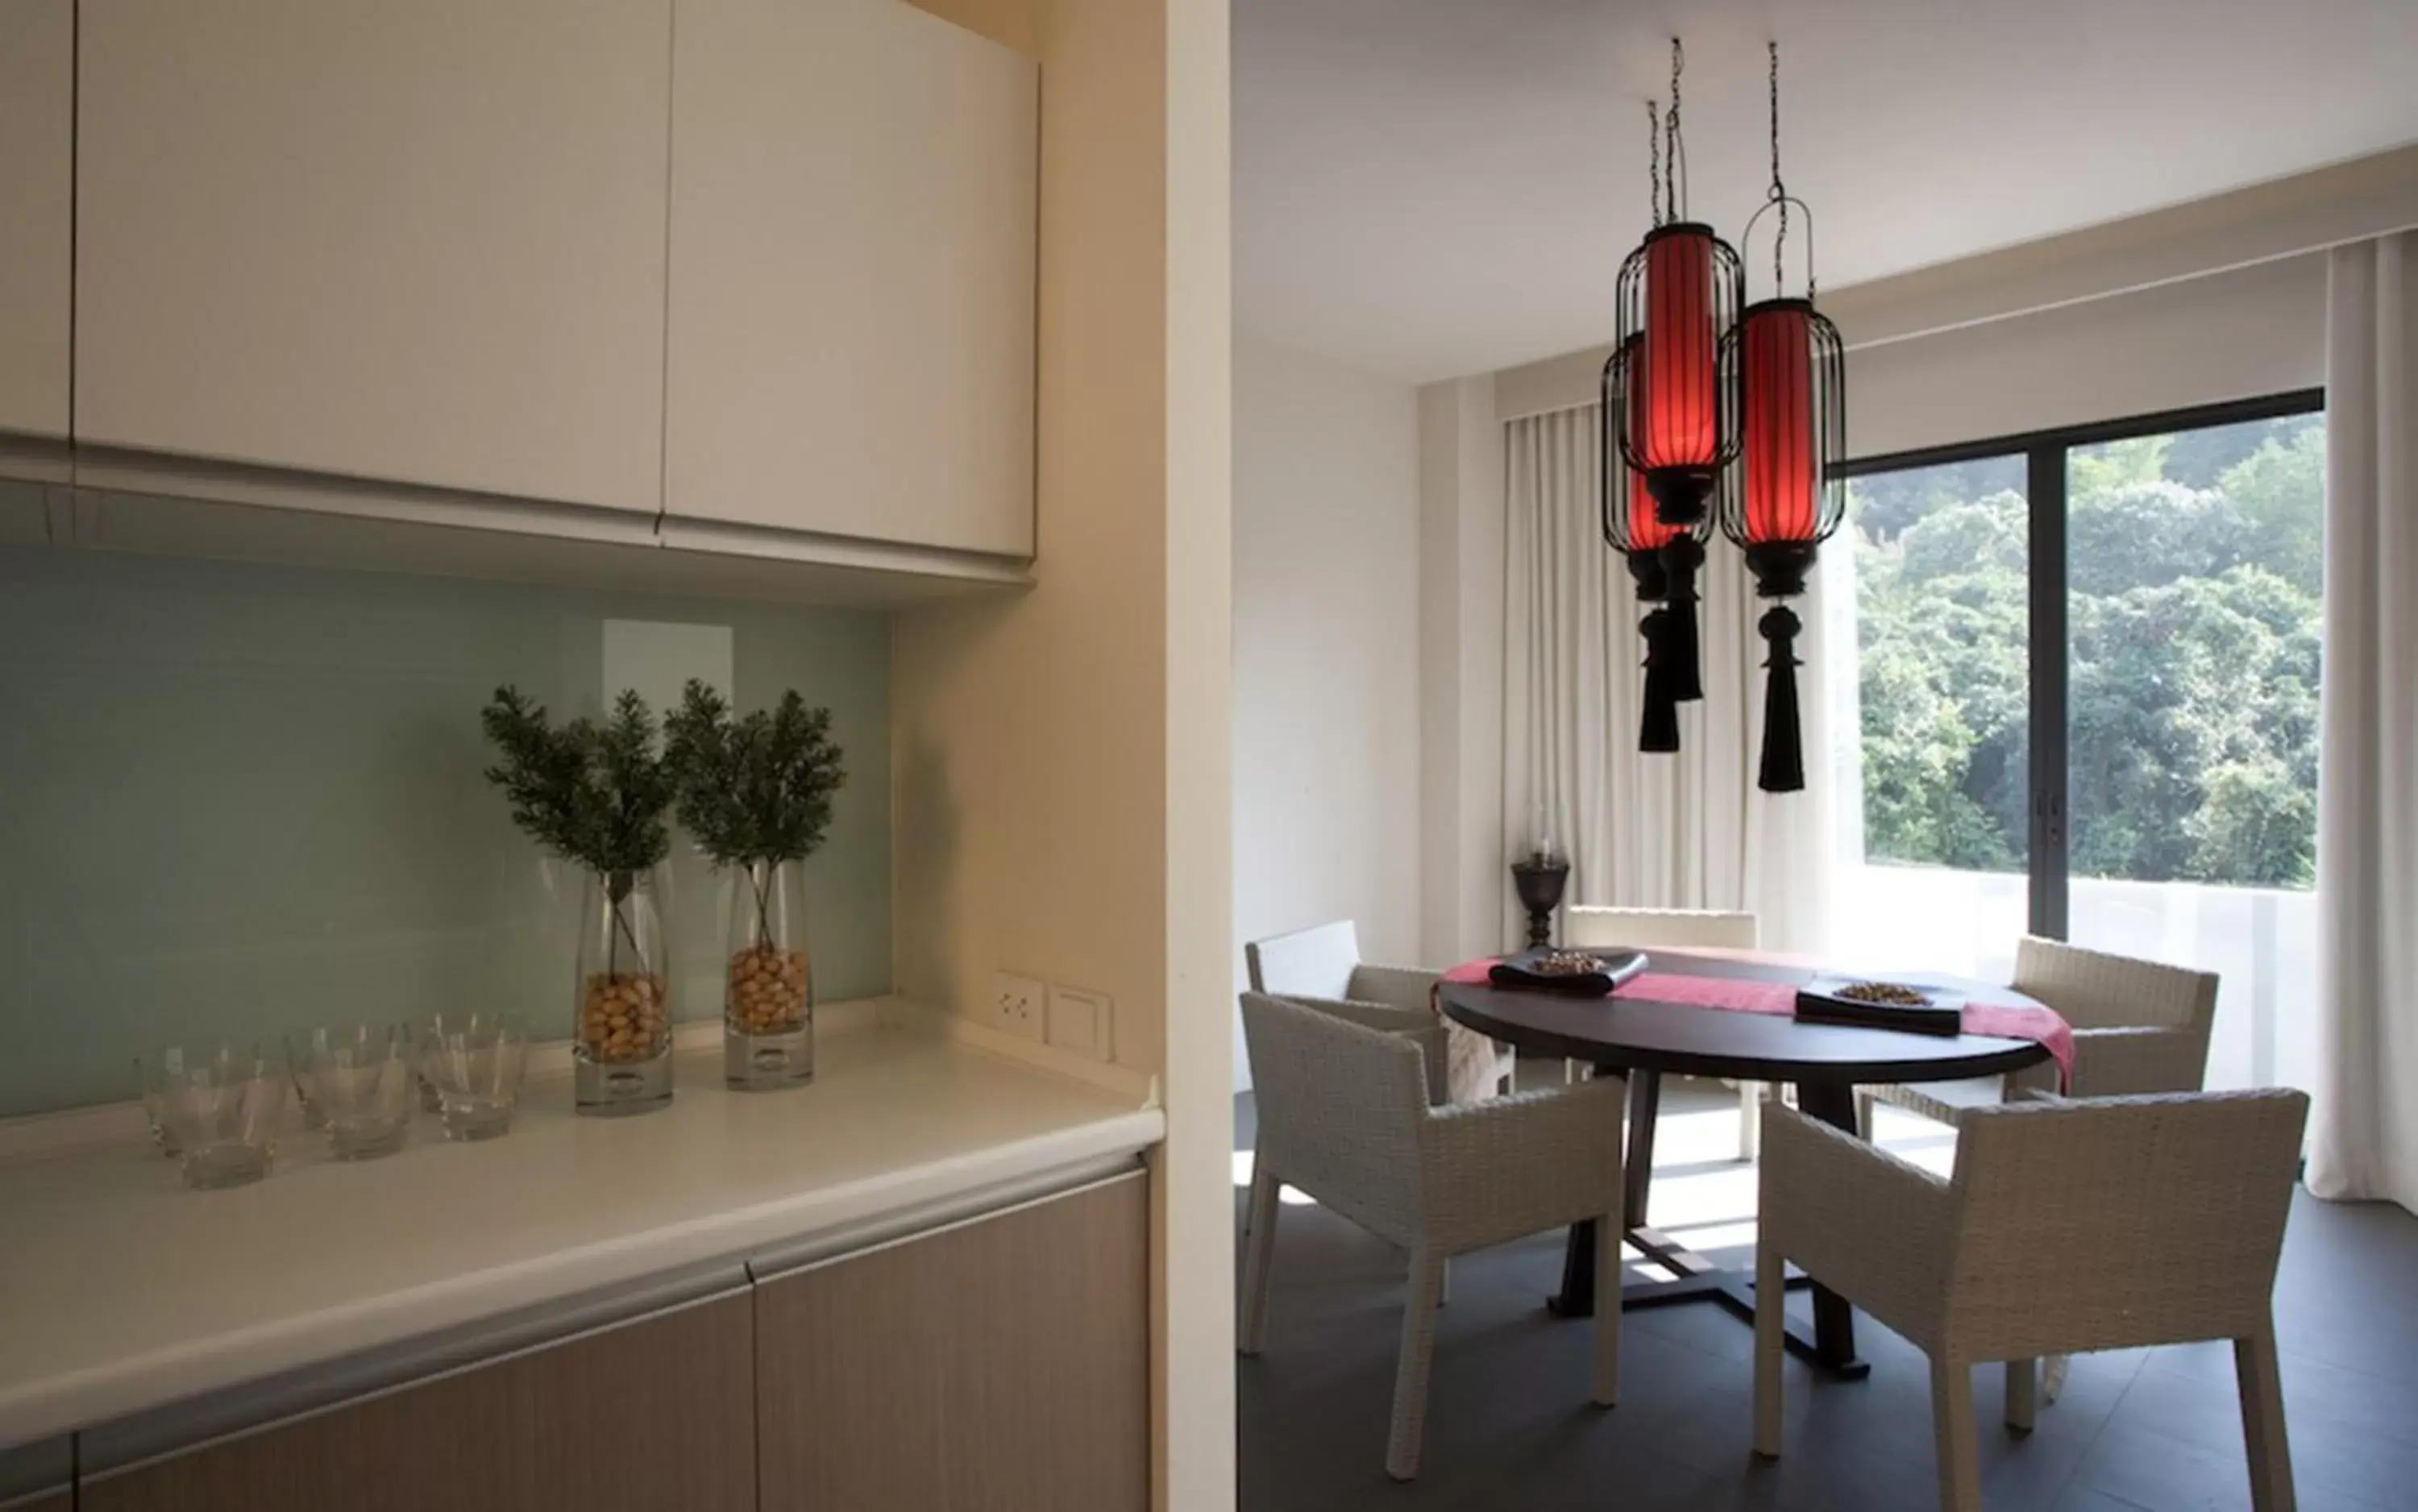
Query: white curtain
[1684, 831]
[2365, 1140]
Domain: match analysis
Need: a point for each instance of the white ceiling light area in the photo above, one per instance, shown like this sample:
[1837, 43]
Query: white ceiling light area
[1433, 188]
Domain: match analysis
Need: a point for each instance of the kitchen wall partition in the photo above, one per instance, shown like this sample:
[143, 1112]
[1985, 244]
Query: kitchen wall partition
[244, 799]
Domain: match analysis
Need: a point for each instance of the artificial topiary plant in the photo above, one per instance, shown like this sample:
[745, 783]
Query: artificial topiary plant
[591, 793]
[753, 788]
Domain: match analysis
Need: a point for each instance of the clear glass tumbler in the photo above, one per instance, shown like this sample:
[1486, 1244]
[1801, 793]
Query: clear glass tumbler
[153, 1074]
[222, 1108]
[297, 1069]
[474, 1061]
[768, 994]
[360, 1079]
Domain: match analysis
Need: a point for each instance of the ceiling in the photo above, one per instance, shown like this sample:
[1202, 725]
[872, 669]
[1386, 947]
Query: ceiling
[1430, 188]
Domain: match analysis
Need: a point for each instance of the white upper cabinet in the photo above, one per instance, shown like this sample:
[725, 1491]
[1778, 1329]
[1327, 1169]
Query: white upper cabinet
[854, 192]
[36, 212]
[417, 241]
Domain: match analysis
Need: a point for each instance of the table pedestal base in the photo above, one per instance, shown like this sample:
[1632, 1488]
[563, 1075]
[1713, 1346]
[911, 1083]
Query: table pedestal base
[1693, 1278]
[1829, 1347]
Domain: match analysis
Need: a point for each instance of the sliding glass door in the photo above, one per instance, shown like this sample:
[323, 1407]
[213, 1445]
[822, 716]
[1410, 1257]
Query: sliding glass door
[2086, 689]
[1940, 838]
[2194, 597]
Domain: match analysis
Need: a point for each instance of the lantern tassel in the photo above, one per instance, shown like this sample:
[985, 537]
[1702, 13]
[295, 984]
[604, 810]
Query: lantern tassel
[1658, 730]
[1784, 745]
[1682, 658]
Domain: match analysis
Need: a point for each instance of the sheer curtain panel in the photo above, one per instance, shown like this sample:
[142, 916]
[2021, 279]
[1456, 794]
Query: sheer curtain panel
[2365, 1144]
[1689, 831]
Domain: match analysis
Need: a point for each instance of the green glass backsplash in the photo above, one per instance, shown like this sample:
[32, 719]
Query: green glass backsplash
[236, 800]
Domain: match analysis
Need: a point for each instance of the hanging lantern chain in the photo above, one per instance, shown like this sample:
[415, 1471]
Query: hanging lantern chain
[1675, 186]
[1780, 191]
[1654, 160]
[1778, 199]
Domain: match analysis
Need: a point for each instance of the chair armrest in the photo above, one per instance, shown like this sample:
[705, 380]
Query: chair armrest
[2137, 1062]
[1417, 1025]
[1399, 986]
[1510, 1167]
[1876, 1229]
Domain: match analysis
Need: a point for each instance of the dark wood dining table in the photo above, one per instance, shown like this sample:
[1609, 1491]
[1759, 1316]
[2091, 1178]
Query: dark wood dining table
[1641, 1040]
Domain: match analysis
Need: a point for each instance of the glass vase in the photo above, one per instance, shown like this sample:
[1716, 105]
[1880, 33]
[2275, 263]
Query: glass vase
[622, 1053]
[768, 993]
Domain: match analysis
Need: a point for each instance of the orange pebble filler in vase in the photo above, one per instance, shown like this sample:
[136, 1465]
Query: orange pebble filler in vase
[768, 1003]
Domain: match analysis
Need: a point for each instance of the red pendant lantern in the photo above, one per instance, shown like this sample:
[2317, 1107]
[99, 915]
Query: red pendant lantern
[1782, 498]
[1678, 292]
[1633, 526]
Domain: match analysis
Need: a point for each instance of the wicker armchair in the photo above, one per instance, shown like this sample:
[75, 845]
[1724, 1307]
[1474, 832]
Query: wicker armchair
[1345, 1116]
[1587, 926]
[1322, 965]
[2069, 1226]
[2139, 1027]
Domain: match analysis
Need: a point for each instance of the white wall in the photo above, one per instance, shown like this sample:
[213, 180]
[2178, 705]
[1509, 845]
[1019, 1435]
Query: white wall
[1059, 757]
[1464, 891]
[1326, 654]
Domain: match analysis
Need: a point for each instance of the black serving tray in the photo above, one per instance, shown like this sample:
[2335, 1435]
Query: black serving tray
[1817, 1002]
[1515, 972]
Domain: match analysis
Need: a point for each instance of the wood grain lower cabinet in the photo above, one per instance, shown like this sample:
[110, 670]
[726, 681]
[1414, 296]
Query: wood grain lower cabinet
[1000, 1365]
[55, 1502]
[654, 1414]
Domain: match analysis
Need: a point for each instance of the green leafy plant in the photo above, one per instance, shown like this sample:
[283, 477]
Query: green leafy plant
[754, 788]
[590, 792]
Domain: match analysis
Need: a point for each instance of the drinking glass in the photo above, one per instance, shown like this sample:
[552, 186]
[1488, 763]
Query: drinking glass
[152, 1076]
[360, 1079]
[298, 1070]
[474, 1061]
[223, 1107]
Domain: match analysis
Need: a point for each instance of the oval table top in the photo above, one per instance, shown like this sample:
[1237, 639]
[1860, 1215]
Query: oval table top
[1687, 1039]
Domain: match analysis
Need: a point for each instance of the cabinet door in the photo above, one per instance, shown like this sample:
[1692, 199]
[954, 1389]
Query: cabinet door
[36, 168]
[652, 1414]
[1003, 1364]
[414, 242]
[851, 322]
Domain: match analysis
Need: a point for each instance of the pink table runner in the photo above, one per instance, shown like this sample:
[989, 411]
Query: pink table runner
[2042, 1026]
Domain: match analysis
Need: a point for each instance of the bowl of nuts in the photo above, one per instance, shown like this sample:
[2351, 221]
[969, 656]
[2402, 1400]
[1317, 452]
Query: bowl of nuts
[1876, 1004]
[1577, 972]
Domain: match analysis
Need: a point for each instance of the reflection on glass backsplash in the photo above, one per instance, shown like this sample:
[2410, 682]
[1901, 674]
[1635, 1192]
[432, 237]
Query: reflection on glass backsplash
[238, 799]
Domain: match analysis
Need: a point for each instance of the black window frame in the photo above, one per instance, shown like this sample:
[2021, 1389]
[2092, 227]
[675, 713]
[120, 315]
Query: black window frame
[2046, 453]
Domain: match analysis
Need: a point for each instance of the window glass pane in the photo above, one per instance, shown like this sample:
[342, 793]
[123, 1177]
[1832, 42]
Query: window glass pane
[1941, 684]
[2193, 573]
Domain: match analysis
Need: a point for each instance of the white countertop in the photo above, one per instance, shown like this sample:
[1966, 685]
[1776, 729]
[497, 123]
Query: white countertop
[119, 1289]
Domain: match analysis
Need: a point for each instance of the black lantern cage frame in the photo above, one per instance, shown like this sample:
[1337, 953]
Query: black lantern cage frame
[1780, 568]
[1680, 495]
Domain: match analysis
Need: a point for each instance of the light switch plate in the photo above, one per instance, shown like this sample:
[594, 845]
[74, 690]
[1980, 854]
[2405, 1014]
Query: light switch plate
[1019, 1005]
[1082, 1021]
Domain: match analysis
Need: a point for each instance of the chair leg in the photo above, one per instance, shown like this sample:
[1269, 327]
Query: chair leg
[2053, 1371]
[1864, 1116]
[1951, 1428]
[2263, 1421]
[2022, 1390]
[1411, 1365]
[1607, 1310]
[1771, 1308]
[1259, 1249]
[1749, 1120]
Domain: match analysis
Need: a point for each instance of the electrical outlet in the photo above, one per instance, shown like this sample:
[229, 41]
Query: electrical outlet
[1019, 1005]
[1080, 1021]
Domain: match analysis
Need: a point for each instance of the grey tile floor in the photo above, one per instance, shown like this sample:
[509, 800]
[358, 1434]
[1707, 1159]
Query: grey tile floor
[1508, 1425]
